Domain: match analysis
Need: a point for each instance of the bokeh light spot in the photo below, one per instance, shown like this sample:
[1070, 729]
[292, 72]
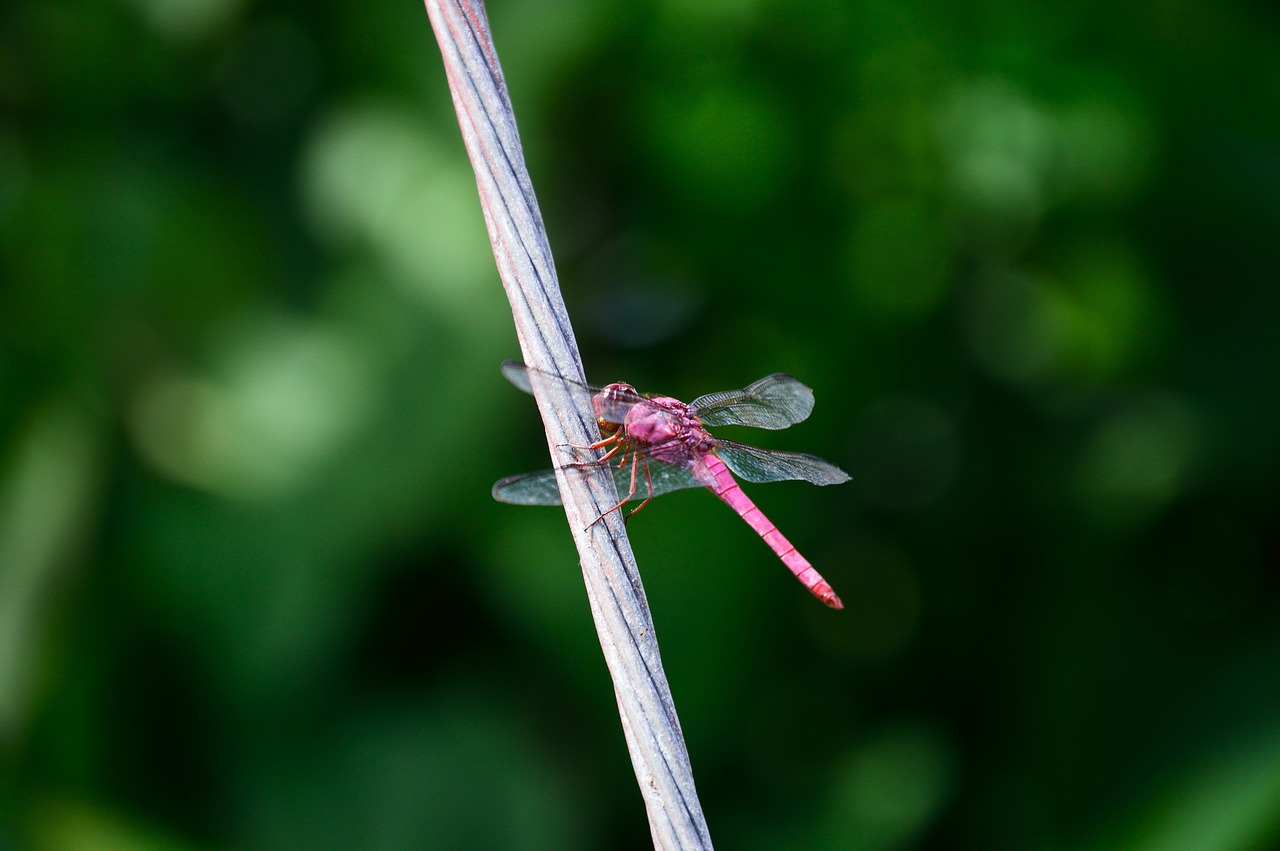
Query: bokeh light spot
[375, 176]
[1091, 321]
[1140, 457]
[1000, 147]
[187, 20]
[286, 396]
[1107, 148]
[895, 784]
[48, 482]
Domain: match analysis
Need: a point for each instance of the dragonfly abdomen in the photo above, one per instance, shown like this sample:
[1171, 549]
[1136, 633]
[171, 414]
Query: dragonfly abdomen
[728, 489]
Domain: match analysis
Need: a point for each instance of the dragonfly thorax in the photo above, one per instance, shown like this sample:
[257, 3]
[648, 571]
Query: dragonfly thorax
[669, 427]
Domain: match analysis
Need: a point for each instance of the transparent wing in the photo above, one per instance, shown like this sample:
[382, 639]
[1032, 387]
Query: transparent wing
[761, 465]
[518, 374]
[541, 489]
[528, 489]
[665, 478]
[775, 401]
[613, 406]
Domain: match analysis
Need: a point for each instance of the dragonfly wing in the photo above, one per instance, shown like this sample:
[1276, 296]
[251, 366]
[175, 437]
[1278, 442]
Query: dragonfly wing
[612, 406]
[664, 477]
[528, 489]
[541, 488]
[518, 374]
[761, 465]
[775, 401]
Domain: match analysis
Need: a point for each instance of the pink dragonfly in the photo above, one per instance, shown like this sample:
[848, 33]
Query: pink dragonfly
[662, 445]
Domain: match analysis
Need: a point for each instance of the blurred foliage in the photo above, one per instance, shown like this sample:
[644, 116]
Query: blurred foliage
[253, 590]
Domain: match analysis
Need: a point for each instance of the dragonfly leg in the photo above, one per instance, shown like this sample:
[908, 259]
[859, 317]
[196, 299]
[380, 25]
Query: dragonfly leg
[615, 440]
[648, 483]
[635, 462]
[599, 444]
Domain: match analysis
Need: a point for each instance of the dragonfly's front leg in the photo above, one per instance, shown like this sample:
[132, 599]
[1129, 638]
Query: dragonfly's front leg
[614, 451]
[615, 439]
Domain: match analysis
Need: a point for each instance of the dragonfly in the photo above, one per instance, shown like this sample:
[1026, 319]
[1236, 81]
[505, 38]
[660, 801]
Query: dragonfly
[657, 444]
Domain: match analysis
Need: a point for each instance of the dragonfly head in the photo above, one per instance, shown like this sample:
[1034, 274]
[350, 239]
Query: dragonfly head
[611, 405]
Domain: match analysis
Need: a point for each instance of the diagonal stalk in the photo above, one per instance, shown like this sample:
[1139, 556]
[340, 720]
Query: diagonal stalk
[614, 591]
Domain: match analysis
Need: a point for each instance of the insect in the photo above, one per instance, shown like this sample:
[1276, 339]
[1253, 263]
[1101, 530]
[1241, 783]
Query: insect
[659, 444]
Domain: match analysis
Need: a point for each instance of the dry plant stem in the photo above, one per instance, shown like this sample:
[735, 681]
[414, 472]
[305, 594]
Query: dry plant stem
[523, 254]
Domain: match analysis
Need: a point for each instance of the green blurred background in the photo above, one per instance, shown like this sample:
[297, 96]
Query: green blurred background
[254, 592]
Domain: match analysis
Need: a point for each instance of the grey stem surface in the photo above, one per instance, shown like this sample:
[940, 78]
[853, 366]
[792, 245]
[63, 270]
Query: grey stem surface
[614, 591]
